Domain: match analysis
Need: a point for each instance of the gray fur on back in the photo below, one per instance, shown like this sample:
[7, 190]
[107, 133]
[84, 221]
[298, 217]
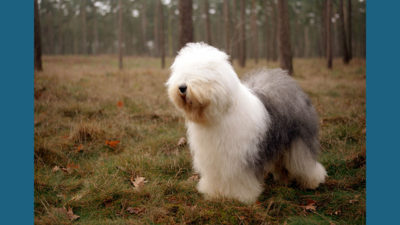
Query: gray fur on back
[291, 112]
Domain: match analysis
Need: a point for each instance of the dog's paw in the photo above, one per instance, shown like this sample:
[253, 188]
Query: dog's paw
[316, 178]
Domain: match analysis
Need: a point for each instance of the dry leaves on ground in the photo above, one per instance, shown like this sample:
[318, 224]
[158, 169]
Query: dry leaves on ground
[182, 142]
[55, 168]
[194, 177]
[112, 144]
[135, 210]
[69, 213]
[310, 207]
[79, 148]
[68, 169]
[138, 182]
[120, 104]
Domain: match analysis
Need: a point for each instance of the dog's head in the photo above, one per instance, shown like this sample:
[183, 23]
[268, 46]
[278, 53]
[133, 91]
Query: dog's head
[202, 83]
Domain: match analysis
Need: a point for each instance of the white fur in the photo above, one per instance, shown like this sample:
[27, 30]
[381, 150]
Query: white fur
[236, 120]
[220, 151]
[303, 168]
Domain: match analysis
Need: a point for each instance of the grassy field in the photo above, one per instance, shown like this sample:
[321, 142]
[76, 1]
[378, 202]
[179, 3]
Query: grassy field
[99, 131]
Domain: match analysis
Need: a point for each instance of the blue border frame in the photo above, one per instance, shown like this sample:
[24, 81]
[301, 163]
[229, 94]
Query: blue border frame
[16, 131]
[383, 111]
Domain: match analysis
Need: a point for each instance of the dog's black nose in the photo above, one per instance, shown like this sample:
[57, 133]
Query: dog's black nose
[182, 88]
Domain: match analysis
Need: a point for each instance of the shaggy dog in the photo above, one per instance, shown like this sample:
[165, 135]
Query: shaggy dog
[238, 132]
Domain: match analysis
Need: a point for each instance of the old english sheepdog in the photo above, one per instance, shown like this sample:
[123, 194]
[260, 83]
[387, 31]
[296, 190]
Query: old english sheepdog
[238, 132]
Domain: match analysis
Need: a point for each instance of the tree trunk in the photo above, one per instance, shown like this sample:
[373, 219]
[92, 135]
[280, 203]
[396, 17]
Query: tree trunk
[323, 29]
[83, 28]
[186, 23]
[306, 42]
[242, 38]
[38, 41]
[275, 35]
[161, 33]
[343, 36]
[349, 33]
[285, 54]
[208, 25]
[227, 27]
[328, 33]
[120, 34]
[235, 38]
[156, 31]
[254, 30]
[96, 35]
[267, 33]
[170, 38]
[144, 27]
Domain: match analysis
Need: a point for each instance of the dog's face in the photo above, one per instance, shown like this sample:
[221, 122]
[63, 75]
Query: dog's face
[201, 83]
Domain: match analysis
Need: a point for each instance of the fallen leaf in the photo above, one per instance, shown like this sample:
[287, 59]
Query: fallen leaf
[138, 182]
[310, 201]
[194, 177]
[135, 210]
[79, 148]
[193, 208]
[120, 104]
[72, 166]
[67, 170]
[182, 142]
[311, 207]
[55, 169]
[71, 214]
[112, 144]
[76, 197]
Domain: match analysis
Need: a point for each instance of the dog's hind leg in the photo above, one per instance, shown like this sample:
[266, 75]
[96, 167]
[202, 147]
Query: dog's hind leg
[303, 167]
[279, 171]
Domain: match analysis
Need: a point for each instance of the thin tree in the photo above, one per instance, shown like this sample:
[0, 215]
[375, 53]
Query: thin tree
[38, 41]
[161, 33]
[120, 34]
[186, 23]
[275, 35]
[156, 31]
[208, 25]
[323, 28]
[170, 14]
[144, 25]
[83, 26]
[254, 30]
[285, 53]
[349, 33]
[235, 38]
[267, 32]
[242, 35]
[227, 26]
[343, 36]
[328, 33]
[95, 33]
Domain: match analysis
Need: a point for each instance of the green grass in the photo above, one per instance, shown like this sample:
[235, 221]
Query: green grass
[76, 106]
